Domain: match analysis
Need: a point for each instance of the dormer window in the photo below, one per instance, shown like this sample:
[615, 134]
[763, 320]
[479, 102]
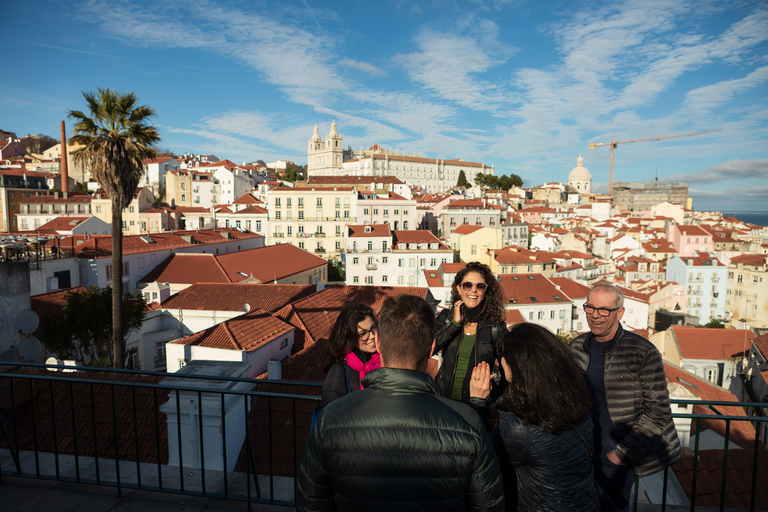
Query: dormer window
[368, 229]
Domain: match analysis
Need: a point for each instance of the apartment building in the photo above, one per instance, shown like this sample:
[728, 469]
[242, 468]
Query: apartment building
[376, 256]
[689, 240]
[747, 289]
[387, 207]
[312, 219]
[155, 170]
[142, 200]
[38, 210]
[187, 187]
[472, 243]
[16, 185]
[704, 279]
[469, 211]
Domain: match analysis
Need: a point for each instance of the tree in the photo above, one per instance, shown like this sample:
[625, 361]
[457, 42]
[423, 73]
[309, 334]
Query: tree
[83, 329]
[116, 138]
[38, 143]
[462, 181]
[715, 324]
[507, 182]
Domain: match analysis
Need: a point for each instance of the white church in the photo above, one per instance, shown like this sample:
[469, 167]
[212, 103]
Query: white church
[327, 157]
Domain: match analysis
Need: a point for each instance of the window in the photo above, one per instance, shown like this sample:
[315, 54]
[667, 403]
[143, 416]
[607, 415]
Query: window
[384, 260]
[355, 261]
[301, 215]
[739, 278]
[301, 202]
[109, 271]
[277, 215]
[405, 224]
[258, 225]
[98, 208]
[397, 211]
[183, 198]
[301, 245]
[405, 211]
[319, 202]
[183, 186]
[355, 279]
[530, 315]
[400, 279]
[346, 214]
[541, 315]
[283, 343]
[386, 212]
[400, 262]
[277, 202]
[712, 375]
[370, 245]
[290, 230]
[411, 262]
[474, 249]
[338, 245]
[369, 279]
[433, 262]
[552, 315]
[365, 211]
[384, 279]
[288, 202]
[338, 214]
[319, 215]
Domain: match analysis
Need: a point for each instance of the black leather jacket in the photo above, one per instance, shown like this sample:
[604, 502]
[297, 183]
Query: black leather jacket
[448, 339]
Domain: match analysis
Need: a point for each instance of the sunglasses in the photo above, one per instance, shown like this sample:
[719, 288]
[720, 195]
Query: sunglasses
[468, 285]
[364, 334]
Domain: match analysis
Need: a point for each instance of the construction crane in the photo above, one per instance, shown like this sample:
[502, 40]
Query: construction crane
[613, 145]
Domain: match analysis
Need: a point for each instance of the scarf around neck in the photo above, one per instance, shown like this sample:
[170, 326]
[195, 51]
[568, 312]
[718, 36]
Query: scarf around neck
[356, 364]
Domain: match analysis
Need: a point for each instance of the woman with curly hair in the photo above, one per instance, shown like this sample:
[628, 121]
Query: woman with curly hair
[352, 346]
[544, 430]
[470, 331]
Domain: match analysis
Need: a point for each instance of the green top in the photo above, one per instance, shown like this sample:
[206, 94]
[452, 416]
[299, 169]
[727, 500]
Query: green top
[462, 365]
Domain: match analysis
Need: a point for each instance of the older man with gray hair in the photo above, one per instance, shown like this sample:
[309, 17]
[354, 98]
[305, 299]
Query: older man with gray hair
[634, 434]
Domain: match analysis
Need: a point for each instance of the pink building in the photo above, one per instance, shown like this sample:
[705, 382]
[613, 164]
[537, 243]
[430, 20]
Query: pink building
[689, 240]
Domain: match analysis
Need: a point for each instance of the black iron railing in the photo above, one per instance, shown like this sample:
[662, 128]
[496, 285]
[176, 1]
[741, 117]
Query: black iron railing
[116, 428]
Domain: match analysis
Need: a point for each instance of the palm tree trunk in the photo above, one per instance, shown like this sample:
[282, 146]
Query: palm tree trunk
[118, 353]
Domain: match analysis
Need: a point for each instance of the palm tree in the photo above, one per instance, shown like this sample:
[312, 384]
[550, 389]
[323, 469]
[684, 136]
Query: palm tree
[116, 138]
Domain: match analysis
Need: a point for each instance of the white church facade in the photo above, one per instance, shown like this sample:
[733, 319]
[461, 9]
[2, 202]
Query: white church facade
[327, 157]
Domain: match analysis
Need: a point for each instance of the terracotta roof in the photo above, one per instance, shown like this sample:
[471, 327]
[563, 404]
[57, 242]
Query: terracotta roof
[452, 268]
[571, 288]
[55, 410]
[466, 229]
[519, 255]
[23, 172]
[75, 198]
[433, 278]
[531, 289]
[757, 260]
[761, 343]
[375, 230]
[246, 332]
[415, 237]
[251, 209]
[514, 316]
[232, 296]
[712, 344]
[267, 264]
[701, 259]
[686, 230]
[51, 303]
[246, 199]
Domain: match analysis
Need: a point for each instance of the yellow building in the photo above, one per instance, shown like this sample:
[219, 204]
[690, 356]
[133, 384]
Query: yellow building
[472, 243]
[101, 207]
[312, 219]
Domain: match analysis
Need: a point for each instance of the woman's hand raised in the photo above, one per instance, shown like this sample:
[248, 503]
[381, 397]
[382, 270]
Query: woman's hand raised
[480, 383]
[457, 311]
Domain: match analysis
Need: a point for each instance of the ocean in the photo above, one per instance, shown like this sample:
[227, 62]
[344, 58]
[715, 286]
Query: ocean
[757, 218]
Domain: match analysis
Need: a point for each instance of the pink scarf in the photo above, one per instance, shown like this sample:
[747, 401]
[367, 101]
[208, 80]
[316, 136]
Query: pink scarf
[356, 364]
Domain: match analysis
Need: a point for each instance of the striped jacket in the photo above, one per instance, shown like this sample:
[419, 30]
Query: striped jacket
[638, 401]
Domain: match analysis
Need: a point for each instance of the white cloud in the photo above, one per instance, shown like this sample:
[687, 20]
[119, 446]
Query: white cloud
[727, 171]
[707, 98]
[362, 66]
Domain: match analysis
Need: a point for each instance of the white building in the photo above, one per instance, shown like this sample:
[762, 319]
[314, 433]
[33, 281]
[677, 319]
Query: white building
[705, 280]
[327, 157]
[155, 170]
[580, 178]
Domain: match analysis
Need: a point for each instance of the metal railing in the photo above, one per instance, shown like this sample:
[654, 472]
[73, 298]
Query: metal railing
[115, 428]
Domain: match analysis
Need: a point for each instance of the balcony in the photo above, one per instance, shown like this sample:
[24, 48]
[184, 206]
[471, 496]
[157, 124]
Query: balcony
[119, 429]
[277, 235]
[319, 234]
[370, 266]
[320, 250]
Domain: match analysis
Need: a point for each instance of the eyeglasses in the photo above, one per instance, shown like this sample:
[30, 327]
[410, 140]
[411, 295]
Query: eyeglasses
[468, 285]
[365, 333]
[604, 312]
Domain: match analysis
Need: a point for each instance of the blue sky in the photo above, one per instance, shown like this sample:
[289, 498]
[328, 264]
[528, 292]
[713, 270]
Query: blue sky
[525, 86]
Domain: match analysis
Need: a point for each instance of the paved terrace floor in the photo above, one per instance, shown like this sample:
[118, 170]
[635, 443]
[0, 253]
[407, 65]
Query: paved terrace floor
[27, 495]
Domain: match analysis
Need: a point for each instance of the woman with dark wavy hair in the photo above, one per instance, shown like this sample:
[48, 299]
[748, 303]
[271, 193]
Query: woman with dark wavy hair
[470, 330]
[352, 346]
[544, 430]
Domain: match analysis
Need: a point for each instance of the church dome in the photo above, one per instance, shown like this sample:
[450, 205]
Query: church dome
[579, 173]
[316, 135]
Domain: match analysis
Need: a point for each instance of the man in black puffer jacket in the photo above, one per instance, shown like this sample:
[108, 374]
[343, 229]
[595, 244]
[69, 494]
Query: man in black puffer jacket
[634, 434]
[396, 445]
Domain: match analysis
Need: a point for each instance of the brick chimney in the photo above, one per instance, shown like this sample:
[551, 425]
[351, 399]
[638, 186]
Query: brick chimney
[64, 161]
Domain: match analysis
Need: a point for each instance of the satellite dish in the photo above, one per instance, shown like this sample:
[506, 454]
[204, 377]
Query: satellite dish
[27, 322]
[320, 287]
[29, 349]
[246, 307]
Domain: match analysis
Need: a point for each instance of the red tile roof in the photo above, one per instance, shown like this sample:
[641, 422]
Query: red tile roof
[51, 303]
[712, 344]
[514, 316]
[374, 230]
[761, 343]
[246, 332]
[267, 264]
[415, 237]
[62, 223]
[691, 230]
[433, 278]
[466, 229]
[519, 255]
[530, 289]
[74, 198]
[571, 288]
[758, 260]
[232, 296]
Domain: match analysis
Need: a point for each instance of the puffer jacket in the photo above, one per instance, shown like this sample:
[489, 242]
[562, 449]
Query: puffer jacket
[554, 472]
[638, 401]
[448, 339]
[335, 383]
[396, 445]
